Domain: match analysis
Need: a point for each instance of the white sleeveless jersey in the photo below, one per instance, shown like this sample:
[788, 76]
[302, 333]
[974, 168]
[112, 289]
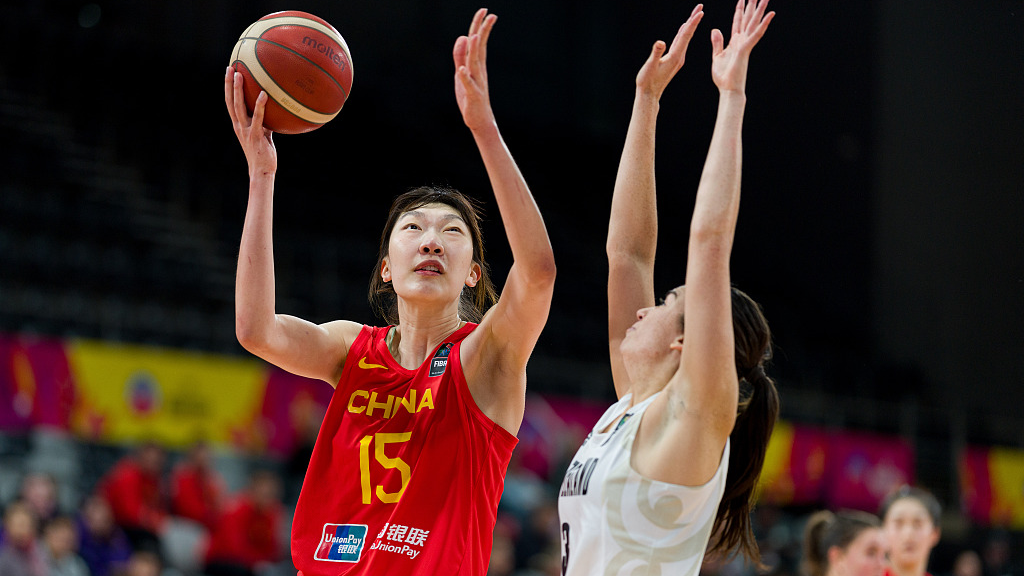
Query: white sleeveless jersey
[616, 522]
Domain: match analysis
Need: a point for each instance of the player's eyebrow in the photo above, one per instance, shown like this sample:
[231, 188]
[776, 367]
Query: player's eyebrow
[446, 218]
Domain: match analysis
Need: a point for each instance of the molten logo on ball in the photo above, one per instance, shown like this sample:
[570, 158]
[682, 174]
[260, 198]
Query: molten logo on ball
[301, 62]
[326, 50]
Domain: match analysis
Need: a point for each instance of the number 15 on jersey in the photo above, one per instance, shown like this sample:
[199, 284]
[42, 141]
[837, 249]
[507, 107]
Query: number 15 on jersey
[380, 441]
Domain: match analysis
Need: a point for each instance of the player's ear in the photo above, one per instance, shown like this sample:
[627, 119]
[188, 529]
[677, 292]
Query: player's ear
[385, 270]
[677, 344]
[474, 275]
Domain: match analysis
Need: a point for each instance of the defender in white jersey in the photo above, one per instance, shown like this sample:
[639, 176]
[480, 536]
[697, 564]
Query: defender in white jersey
[669, 470]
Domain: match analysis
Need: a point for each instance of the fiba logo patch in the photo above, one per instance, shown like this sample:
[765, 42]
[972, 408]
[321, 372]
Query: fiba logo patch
[440, 360]
[341, 543]
[142, 393]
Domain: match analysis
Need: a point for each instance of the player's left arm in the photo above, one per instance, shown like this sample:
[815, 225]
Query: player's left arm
[494, 357]
[698, 411]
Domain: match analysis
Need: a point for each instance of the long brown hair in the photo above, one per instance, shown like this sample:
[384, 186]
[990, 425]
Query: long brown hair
[474, 301]
[755, 417]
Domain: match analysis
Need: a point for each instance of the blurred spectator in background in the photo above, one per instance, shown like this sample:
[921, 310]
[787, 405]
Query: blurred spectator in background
[60, 547]
[305, 416]
[849, 543]
[20, 554]
[101, 543]
[996, 555]
[967, 563]
[910, 518]
[196, 488]
[39, 493]
[134, 489]
[545, 563]
[523, 490]
[539, 533]
[503, 556]
[144, 563]
[247, 535]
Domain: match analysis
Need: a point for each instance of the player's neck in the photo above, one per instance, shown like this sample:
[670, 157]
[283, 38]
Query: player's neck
[647, 378]
[414, 339]
[643, 390]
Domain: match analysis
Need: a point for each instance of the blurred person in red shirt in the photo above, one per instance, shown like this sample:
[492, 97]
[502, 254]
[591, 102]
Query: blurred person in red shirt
[248, 534]
[196, 488]
[134, 489]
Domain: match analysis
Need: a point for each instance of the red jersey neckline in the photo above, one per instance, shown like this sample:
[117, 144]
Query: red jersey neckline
[385, 353]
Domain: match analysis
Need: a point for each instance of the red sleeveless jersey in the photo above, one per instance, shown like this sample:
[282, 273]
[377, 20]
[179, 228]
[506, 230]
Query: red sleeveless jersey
[407, 472]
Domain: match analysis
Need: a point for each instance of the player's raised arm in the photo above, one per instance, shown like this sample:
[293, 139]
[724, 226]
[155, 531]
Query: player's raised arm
[633, 226]
[296, 345]
[708, 383]
[497, 353]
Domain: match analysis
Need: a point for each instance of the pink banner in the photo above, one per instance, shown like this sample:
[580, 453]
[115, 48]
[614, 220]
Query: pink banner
[807, 464]
[293, 409]
[861, 469]
[36, 385]
[976, 485]
[553, 428]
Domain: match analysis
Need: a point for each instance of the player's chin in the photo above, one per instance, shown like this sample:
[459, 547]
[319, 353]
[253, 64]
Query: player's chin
[430, 290]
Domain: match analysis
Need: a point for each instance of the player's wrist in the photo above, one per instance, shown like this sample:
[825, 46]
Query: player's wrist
[262, 175]
[648, 95]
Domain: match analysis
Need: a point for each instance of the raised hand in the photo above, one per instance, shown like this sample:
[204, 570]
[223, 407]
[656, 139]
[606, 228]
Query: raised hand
[471, 90]
[729, 64]
[661, 67]
[257, 141]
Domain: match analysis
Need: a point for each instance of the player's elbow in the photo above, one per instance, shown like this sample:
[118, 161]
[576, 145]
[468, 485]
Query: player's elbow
[250, 334]
[543, 271]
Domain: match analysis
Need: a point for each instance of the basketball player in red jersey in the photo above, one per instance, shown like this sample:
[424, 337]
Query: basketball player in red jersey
[409, 463]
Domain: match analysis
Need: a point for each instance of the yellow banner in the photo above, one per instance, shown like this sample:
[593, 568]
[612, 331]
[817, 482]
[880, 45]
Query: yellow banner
[129, 393]
[1006, 470]
[775, 484]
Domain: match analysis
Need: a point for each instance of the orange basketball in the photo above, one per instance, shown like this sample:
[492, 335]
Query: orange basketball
[301, 62]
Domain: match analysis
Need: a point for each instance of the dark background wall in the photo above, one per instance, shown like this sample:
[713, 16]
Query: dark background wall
[882, 207]
[948, 201]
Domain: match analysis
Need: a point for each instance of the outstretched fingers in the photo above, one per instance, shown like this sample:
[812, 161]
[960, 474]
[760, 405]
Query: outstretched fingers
[685, 34]
[737, 18]
[749, 23]
[485, 34]
[762, 26]
[478, 20]
[476, 48]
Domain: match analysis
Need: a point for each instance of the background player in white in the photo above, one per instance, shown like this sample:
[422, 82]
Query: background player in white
[644, 494]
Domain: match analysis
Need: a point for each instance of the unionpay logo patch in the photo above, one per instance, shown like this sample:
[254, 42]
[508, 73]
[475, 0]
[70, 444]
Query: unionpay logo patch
[341, 543]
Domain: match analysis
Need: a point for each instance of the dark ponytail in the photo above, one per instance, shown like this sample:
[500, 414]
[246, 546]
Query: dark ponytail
[755, 418]
[815, 558]
[826, 530]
